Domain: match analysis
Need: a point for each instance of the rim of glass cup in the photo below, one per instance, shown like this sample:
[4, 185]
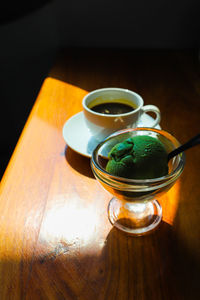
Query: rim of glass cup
[160, 180]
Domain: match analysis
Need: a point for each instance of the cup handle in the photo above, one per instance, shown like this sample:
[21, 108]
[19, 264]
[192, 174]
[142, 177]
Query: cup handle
[154, 109]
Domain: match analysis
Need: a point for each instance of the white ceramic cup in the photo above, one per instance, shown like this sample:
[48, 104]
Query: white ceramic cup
[102, 125]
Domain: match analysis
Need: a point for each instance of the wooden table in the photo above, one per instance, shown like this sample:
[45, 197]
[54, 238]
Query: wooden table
[55, 239]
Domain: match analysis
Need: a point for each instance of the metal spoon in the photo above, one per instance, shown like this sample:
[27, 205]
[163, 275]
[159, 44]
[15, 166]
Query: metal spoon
[191, 143]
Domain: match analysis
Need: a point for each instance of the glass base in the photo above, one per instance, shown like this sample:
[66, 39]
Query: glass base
[135, 218]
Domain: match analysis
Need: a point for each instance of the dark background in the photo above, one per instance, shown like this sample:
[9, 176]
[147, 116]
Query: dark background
[31, 38]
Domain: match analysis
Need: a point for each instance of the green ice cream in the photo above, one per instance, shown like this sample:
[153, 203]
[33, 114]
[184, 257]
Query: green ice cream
[139, 157]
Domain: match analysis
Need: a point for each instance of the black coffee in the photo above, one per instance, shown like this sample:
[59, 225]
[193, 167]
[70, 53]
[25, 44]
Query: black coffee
[112, 108]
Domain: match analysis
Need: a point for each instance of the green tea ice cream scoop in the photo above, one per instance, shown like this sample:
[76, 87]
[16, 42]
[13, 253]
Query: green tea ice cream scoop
[139, 157]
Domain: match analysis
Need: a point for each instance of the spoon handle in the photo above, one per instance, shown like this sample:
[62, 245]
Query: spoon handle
[191, 143]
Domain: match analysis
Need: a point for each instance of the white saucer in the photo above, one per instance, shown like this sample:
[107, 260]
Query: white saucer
[78, 137]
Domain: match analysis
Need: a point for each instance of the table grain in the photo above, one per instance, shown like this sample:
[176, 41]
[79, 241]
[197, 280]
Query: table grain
[55, 238]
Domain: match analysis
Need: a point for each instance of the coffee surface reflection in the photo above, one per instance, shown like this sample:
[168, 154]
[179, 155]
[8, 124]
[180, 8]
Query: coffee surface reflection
[112, 108]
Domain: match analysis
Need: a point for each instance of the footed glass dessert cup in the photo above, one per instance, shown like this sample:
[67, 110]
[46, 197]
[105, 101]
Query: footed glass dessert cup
[134, 209]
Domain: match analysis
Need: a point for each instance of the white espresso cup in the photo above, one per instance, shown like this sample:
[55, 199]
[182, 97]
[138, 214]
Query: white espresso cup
[102, 125]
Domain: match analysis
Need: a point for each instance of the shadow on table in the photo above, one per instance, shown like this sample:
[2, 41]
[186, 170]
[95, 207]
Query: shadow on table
[155, 266]
[78, 162]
